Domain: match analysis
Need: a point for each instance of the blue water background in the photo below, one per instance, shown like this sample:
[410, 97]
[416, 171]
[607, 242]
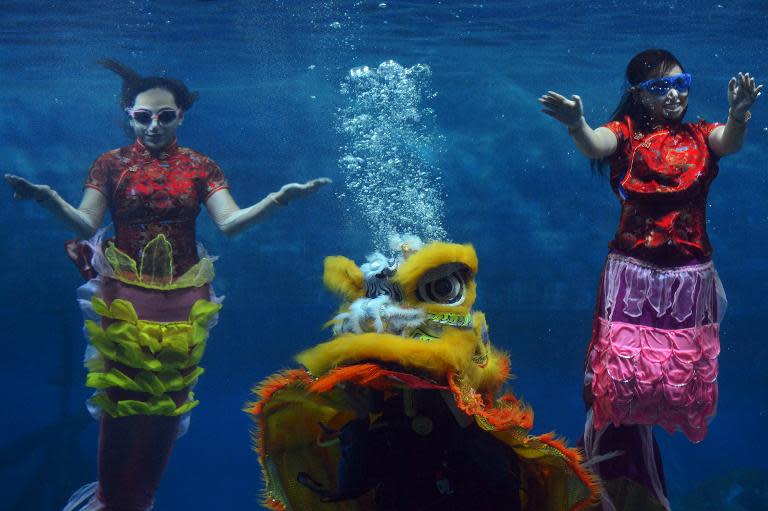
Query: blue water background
[268, 74]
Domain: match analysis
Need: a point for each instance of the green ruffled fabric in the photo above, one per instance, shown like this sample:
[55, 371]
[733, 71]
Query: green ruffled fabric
[156, 384]
[161, 352]
[155, 270]
[153, 406]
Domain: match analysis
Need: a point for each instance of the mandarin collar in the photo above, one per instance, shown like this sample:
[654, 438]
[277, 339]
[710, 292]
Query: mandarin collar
[642, 129]
[672, 127]
[164, 154]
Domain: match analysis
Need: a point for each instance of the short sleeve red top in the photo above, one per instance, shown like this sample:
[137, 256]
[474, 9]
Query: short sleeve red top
[151, 194]
[662, 177]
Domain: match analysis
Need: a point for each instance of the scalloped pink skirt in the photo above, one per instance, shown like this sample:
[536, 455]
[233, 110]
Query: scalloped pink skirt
[654, 352]
[646, 375]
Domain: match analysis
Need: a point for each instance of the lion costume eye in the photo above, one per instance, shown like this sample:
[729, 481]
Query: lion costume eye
[445, 285]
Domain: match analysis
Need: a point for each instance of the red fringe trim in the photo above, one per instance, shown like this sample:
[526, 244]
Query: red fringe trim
[268, 387]
[513, 414]
[504, 369]
[265, 391]
[574, 458]
[371, 376]
[474, 404]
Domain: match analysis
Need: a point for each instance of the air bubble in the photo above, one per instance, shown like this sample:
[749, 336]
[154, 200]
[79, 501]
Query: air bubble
[387, 156]
[359, 71]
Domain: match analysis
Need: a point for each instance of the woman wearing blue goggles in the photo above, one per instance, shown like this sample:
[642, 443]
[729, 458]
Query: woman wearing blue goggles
[660, 169]
[661, 86]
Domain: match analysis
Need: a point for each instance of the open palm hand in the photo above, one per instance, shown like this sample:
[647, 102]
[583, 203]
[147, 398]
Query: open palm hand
[24, 190]
[742, 93]
[293, 191]
[567, 111]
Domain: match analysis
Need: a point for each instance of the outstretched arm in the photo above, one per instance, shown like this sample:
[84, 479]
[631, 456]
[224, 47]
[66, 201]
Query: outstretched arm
[231, 219]
[597, 143]
[85, 219]
[742, 93]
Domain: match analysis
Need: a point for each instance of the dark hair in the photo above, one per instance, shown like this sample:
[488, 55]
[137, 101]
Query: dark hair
[648, 64]
[134, 84]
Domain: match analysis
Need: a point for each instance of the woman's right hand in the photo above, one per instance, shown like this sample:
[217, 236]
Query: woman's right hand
[24, 190]
[567, 111]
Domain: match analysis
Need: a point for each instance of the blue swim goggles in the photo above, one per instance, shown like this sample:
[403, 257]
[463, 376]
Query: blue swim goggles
[661, 86]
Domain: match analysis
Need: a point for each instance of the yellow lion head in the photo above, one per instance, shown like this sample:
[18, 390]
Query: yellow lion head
[414, 310]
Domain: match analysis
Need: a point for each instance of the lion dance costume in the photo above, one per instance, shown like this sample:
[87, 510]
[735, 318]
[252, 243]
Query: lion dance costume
[401, 409]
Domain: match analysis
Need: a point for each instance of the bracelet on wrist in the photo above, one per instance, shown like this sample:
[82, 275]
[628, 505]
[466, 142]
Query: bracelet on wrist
[745, 120]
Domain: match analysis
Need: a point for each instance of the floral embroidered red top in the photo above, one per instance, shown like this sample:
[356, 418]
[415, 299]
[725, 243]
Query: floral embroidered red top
[151, 194]
[662, 178]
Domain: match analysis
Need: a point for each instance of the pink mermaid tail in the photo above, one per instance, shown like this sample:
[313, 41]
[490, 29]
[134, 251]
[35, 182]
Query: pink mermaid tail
[133, 454]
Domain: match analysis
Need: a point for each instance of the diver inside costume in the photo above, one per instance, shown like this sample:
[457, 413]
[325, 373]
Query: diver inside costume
[415, 454]
[402, 409]
[148, 301]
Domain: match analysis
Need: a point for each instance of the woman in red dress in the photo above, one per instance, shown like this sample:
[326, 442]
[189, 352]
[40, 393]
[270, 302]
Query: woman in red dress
[653, 354]
[149, 298]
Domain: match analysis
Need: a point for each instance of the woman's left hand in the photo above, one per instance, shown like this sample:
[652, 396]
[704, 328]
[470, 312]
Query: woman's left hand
[293, 191]
[742, 93]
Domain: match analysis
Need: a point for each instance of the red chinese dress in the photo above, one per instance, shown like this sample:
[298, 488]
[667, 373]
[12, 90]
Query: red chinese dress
[152, 194]
[655, 341]
[662, 179]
